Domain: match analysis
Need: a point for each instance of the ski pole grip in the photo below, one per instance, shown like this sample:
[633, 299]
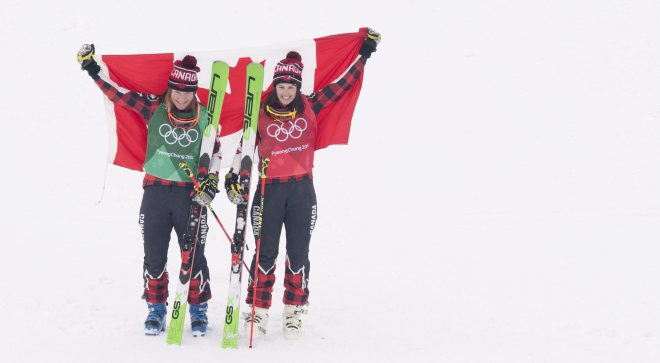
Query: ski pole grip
[264, 166]
[187, 169]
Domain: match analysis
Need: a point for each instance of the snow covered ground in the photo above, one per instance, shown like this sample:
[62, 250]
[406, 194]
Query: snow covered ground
[499, 200]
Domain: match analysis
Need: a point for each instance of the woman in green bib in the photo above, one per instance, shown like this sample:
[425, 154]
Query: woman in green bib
[175, 124]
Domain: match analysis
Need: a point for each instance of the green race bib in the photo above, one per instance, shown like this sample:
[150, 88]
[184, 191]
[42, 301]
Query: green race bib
[168, 145]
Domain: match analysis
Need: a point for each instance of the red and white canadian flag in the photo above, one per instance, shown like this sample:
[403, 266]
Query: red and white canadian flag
[325, 60]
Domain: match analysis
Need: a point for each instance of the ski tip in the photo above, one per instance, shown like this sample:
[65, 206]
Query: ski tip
[174, 336]
[229, 345]
[173, 341]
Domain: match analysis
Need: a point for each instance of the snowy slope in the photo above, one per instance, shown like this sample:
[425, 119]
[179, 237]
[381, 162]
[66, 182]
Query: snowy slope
[511, 216]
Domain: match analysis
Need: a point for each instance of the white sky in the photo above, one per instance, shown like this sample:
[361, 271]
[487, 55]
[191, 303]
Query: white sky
[498, 201]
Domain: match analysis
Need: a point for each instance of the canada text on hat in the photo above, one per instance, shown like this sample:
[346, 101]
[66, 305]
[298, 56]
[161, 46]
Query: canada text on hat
[289, 70]
[184, 75]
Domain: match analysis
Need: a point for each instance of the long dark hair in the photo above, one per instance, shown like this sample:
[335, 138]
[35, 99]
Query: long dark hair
[297, 103]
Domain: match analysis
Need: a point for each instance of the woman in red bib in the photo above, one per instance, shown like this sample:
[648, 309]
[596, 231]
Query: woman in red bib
[286, 135]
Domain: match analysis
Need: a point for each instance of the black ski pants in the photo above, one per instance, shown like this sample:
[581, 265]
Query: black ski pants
[291, 204]
[167, 207]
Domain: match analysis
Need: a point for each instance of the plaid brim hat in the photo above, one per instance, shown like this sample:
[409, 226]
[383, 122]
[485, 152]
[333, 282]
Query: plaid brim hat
[184, 75]
[289, 70]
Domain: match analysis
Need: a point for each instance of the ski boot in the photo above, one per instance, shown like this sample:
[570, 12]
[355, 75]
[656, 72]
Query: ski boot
[155, 322]
[292, 320]
[198, 319]
[260, 321]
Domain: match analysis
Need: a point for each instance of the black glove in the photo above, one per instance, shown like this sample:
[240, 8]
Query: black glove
[207, 189]
[369, 45]
[86, 59]
[233, 188]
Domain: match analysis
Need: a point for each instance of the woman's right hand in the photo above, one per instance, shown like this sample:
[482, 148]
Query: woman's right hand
[86, 60]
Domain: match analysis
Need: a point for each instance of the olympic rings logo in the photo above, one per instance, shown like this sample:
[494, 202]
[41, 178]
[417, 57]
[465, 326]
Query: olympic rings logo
[282, 133]
[178, 135]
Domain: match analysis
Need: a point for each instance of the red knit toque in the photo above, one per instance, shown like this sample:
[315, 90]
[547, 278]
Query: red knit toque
[289, 70]
[184, 75]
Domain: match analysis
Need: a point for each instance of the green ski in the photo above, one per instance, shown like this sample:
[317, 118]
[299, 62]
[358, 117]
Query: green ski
[253, 89]
[219, 78]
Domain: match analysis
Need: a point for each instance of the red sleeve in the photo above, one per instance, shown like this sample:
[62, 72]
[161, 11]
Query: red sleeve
[334, 91]
[137, 102]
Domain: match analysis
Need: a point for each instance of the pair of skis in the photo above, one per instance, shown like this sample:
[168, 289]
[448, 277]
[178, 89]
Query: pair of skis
[254, 86]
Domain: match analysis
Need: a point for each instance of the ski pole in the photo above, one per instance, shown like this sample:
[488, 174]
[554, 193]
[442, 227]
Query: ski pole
[264, 165]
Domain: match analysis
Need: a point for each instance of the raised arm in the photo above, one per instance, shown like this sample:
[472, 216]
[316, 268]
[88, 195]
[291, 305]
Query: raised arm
[335, 90]
[138, 102]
